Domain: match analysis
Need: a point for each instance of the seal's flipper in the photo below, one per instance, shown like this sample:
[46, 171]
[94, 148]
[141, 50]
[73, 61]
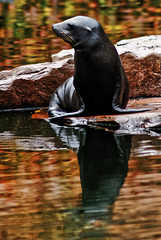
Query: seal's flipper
[120, 101]
[66, 101]
[119, 110]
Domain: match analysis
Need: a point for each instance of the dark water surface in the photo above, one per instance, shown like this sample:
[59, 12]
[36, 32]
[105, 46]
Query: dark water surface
[77, 183]
[25, 26]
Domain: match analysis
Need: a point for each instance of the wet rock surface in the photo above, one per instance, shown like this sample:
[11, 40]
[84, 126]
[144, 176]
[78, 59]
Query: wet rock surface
[33, 85]
[148, 122]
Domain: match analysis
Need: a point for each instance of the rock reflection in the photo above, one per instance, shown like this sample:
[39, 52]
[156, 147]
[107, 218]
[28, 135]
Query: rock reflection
[103, 160]
[21, 131]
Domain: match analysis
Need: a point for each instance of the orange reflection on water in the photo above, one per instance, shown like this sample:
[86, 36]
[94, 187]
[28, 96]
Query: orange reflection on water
[137, 212]
[40, 189]
[25, 26]
[31, 188]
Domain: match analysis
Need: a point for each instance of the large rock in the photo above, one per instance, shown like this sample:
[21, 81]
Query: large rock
[33, 85]
[141, 58]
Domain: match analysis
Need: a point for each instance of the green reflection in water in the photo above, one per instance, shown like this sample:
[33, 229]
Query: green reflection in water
[25, 26]
[48, 191]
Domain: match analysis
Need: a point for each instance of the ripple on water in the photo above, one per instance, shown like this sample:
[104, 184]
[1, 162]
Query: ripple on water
[47, 191]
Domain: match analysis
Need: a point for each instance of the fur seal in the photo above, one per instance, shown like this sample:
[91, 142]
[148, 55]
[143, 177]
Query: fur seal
[99, 85]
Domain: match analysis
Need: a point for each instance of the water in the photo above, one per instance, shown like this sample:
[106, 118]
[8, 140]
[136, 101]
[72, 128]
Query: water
[26, 36]
[77, 183]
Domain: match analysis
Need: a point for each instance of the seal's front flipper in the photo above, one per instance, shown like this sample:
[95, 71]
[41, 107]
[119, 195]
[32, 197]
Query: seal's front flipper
[120, 101]
[119, 110]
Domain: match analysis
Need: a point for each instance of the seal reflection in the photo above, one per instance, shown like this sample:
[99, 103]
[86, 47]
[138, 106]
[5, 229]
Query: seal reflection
[103, 159]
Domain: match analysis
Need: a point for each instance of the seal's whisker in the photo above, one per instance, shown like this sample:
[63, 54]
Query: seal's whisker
[65, 37]
[70, 39]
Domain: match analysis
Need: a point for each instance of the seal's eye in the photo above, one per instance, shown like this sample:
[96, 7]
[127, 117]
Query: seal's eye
[70, 26]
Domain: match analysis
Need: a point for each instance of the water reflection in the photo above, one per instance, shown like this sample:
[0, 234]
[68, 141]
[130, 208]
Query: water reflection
[48, 191]
[103, 160]
[22, 132]
[102, 156]
[25, 26]
[6, 1]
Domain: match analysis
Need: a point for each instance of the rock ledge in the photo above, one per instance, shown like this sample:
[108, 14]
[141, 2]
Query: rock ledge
[33, 85]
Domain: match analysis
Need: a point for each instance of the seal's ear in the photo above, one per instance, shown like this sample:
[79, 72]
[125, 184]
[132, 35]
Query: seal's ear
[89, 29]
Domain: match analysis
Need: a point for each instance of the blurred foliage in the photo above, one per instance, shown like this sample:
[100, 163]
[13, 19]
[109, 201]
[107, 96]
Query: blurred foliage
[25, 26]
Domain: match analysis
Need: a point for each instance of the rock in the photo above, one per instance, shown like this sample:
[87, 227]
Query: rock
[141, 58]
[148, 122]
[140, 47]
[33, 85]
[62, 55]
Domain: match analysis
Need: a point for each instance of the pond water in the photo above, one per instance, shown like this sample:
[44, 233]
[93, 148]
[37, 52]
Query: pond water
[77, 183]
[25, 26]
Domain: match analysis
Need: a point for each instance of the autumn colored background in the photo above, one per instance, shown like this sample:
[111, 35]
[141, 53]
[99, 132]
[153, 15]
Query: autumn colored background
[25, 26]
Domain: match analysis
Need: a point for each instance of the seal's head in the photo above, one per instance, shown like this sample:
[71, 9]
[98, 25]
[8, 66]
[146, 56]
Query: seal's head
[80, 32]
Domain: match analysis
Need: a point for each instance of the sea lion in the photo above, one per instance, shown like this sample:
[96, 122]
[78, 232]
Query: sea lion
[99, 85]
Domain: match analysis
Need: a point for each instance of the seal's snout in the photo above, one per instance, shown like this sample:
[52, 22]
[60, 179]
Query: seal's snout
[61, 30]
[53, 28]
[56, 30]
